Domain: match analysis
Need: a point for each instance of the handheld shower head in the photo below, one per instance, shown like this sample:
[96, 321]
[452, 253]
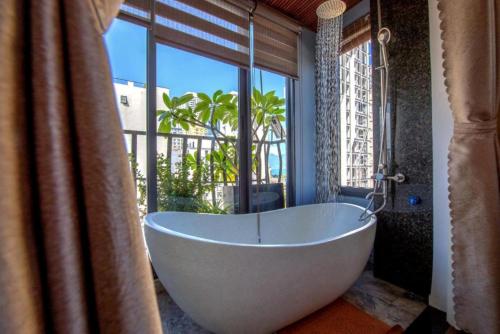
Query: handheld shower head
[384, 36]
[331, 9]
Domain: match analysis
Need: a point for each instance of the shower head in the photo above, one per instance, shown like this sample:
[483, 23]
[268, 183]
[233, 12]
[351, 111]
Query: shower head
[331, 9]
[384, 36]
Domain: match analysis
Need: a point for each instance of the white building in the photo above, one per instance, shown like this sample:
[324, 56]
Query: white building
[356, 121]
[132, 104]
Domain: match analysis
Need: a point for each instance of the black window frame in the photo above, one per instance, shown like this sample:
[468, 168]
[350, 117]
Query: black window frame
[244, 126]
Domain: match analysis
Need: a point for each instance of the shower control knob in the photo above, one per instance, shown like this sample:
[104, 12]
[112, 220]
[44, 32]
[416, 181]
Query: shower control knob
[398, 178]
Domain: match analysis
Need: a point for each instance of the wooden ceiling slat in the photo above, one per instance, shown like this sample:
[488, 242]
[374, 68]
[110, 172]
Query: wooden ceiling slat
[303, 11]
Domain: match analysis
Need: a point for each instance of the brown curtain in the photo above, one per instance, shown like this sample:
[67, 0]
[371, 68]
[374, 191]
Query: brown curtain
[72, 257]
[471, 42]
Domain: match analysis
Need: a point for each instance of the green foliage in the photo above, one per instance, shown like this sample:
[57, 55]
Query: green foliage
[207, 113]
[178, 190]
[182, 188]
[218, 110]
[265, 107]
[224, 161]
[141, 185]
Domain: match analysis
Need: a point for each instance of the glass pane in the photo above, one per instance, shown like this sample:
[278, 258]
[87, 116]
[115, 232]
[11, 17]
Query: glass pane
[356, 121]
[126, 44]
[197, 102]
[269, 154]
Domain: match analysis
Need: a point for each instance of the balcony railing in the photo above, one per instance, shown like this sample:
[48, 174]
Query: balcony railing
[267, 145]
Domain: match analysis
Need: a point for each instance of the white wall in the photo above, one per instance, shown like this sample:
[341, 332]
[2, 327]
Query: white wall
[442, 128]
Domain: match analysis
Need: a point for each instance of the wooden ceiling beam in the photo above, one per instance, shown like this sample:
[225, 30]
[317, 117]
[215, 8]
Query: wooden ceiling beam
[303, 11]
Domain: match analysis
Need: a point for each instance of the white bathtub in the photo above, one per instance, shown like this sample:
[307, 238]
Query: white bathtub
[217, 272]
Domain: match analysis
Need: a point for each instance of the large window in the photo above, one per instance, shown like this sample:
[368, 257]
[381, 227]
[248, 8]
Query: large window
[198, 163]
[356, 117]
[269, 149]
[205, 133]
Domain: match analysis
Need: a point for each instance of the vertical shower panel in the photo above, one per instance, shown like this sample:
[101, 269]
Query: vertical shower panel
[403, 246]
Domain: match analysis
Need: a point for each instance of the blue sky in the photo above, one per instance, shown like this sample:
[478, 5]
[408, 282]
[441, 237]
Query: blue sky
[178, 70]
[126, 45]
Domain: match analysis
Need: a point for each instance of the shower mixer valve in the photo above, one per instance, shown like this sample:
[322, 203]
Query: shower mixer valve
[380, 186]
[380, 190]
[398, 178]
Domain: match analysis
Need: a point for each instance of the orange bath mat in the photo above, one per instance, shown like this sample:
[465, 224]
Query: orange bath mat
[339, 317]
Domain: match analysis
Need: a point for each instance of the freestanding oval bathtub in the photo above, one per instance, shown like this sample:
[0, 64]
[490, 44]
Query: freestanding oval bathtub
[216, 270]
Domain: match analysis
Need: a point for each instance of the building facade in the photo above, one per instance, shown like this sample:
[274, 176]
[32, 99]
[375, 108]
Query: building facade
[356, 118]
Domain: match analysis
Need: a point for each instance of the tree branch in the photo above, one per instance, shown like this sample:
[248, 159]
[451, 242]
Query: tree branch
[218, 140]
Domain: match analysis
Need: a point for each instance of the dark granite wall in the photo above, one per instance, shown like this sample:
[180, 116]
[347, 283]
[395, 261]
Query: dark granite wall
[403, 246]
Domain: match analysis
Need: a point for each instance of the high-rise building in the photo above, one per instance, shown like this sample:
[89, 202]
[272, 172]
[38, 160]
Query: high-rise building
[356, 121]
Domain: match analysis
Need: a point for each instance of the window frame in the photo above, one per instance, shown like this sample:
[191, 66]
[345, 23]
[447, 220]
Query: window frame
[244, 126]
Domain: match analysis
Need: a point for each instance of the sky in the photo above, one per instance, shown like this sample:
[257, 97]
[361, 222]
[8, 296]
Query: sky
[177, 70]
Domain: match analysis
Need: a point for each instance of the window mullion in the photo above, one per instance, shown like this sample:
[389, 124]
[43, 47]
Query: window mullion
[152, 190]
[245, 141]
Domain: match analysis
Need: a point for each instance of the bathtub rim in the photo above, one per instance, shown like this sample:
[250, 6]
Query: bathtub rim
[149, 222]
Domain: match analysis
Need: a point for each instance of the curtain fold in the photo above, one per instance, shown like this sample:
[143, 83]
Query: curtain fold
[470, 34]
[72, 256]
[104, 13]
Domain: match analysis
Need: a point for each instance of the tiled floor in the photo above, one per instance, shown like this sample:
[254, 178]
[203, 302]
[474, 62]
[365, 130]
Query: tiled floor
[173, 320]
[385, 301]
[388, 303]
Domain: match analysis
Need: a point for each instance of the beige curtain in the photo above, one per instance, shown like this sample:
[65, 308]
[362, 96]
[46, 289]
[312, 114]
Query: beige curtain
[72, 258]
[471, 42]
